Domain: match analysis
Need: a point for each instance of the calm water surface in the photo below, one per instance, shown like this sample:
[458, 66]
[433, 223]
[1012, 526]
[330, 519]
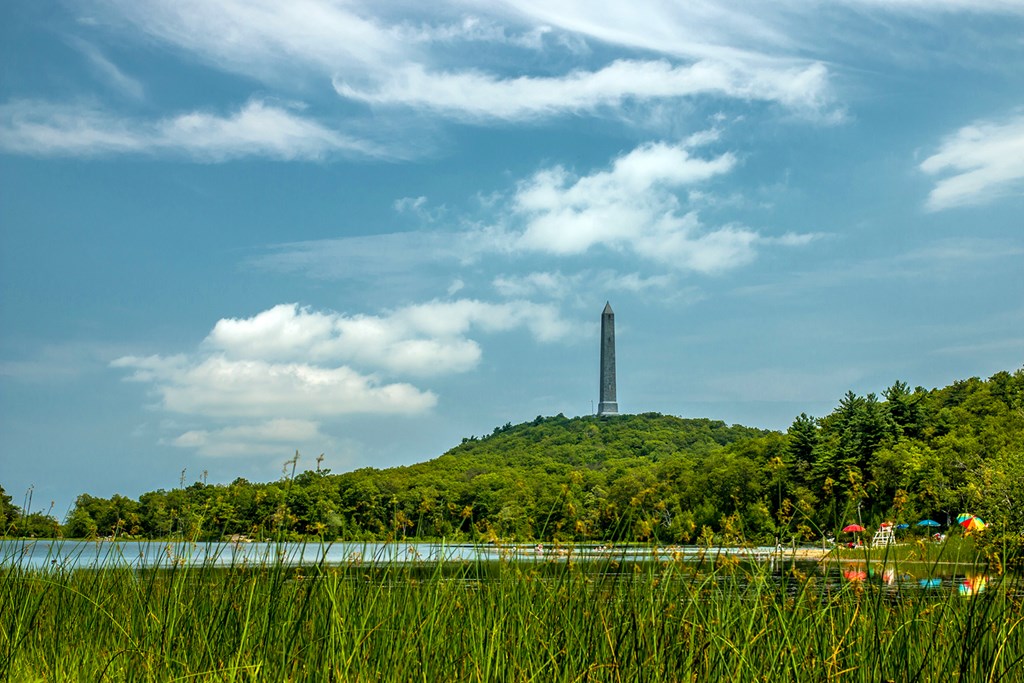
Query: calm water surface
[68, 554]
[72, 554]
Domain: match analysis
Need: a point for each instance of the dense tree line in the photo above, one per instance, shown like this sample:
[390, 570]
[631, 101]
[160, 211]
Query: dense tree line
[907, 455]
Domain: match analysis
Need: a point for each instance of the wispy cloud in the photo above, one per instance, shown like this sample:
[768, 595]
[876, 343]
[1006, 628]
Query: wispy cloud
[474, 29]
[935, 6]
[377, 58]
[265, 39]
[547, 284]
[269, 438]
[730, 32]
[475, 95]
[257, 129]
[944, 259]
[558, 285]
[983, 161]
[374, 257]
[108, 72]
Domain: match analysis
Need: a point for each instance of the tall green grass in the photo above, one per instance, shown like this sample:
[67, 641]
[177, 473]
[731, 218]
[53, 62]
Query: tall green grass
[496, 621]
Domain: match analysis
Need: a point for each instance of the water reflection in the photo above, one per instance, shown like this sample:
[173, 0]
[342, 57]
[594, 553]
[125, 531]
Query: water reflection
[734, 565]
[84, 554]
[966, 581]
[973, 585]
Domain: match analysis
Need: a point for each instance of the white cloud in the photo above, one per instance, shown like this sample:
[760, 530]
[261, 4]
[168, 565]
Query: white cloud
[474, 95]
[109, 72]
[257, 129]
[420, 208]
[421, 340]
[270, 379]
[270, 438]
[379, 257]
[749, 32]
[634, 282]
[933, 6]
[410, 204]
[633, 207]
[474, 29]
[548, 284]
[566, 214]
[701, 30]
[265, 38]
[982, 161]
[221, 387]
[382, 59]
[558, 285]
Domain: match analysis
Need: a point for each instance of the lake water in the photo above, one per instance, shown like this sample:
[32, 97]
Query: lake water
[69, 554]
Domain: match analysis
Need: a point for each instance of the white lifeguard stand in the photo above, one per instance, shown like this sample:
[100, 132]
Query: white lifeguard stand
[886, 535]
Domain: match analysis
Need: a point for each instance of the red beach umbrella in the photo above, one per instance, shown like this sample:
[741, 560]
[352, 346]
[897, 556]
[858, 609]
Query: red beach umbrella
[853, 527]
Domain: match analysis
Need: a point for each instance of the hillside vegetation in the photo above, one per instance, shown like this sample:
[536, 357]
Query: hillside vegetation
[906, 455]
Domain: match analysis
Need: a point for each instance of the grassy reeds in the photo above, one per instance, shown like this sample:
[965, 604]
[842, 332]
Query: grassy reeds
[497, 621]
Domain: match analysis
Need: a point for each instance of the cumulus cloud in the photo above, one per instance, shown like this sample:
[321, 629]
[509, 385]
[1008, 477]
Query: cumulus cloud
[422, 340]
[217, 386]
[633, 207]
[637, 206]
[982, 162]
[273, 377]
[257, 129]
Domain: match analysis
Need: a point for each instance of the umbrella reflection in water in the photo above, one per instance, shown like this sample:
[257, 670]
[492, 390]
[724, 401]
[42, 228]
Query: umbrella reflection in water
[973, 585]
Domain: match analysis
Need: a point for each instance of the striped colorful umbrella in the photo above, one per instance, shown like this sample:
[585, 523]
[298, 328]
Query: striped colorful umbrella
[971, 523]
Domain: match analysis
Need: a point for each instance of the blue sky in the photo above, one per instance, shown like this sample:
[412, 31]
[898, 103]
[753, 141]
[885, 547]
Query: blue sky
[234, 229]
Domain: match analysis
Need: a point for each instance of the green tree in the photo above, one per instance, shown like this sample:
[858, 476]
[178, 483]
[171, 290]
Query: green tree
[9, 513]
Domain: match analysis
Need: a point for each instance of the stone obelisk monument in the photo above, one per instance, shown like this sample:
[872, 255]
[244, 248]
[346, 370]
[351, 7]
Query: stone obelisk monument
[608, 405]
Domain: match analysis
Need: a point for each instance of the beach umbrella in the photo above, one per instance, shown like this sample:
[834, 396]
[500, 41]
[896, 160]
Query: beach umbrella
[963, 517]
[902, 526]
[973, 523]
[853, 527]
[927, 522]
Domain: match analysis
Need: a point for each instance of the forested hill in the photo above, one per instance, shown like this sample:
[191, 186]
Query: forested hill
[552, 477]
[589, 441]
[560, 444]
[902, 456]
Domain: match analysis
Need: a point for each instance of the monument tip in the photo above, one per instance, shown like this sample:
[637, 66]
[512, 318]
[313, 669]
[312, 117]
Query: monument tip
[607, 308]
